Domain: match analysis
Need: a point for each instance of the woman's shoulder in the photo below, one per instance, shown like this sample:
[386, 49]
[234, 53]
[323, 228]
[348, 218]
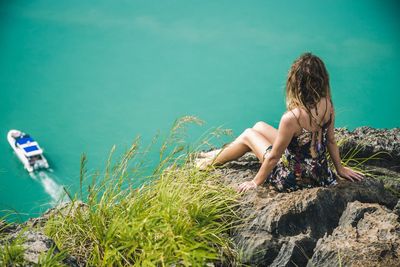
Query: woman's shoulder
[300, 112]
[294, 111]
[293, 114]
[291, 117]
[288, 114]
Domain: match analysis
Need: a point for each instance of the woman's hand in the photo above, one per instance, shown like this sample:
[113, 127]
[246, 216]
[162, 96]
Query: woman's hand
[243, 187]
[350, 174]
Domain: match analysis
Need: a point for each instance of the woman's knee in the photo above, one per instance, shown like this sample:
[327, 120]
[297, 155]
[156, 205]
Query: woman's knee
[246, 135]
[260, 125]
[266, 130]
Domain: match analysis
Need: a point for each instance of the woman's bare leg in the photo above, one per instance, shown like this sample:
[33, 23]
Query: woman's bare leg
[249, 140]
[261, 135]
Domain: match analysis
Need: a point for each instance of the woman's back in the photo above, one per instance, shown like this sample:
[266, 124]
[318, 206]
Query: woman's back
[312, 130]
[304, 163]
[319, 117]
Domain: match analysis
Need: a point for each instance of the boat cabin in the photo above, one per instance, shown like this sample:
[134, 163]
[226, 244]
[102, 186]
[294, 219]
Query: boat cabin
[29, 146]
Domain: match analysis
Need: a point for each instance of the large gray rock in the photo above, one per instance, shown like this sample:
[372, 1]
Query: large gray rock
[35, 244]
[283, 229]
[367, 235]
[34, 241]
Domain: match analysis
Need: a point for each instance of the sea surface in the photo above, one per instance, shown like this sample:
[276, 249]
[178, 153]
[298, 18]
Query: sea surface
[82, 76]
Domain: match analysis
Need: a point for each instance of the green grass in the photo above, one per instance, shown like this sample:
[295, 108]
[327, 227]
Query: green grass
[352, 160]
[179, 216]
[51, 258]
[11, 251]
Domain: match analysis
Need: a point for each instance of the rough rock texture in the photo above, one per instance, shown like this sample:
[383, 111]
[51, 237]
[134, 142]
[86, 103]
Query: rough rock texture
[396, 209]
[35, 242]
[370, 141]
[367, 235]
[382, 144]
[283, 229]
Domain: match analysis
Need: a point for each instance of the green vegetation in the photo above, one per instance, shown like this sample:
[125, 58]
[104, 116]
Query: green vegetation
[357, 163]
[179, 216]
[352, 160]
[51, 258]
[11, 251]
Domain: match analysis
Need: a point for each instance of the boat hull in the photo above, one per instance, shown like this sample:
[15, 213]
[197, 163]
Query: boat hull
[29, 165]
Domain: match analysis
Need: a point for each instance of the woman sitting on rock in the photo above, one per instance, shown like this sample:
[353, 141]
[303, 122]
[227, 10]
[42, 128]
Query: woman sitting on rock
[294, 155]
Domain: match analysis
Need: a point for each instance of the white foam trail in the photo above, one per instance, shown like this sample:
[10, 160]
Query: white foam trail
[52, 188]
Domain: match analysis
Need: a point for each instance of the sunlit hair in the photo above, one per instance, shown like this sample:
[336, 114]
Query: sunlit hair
[307, 83]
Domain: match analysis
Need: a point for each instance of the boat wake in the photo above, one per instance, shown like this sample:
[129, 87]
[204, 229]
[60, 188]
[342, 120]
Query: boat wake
[52, 188]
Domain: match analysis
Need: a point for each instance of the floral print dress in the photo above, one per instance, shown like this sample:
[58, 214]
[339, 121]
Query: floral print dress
[304, 163]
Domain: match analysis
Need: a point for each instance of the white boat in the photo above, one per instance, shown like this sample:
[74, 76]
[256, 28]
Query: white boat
[27, 150]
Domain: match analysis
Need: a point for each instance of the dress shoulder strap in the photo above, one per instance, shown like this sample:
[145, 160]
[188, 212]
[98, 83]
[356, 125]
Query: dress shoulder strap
[297, 119]
[324, 124]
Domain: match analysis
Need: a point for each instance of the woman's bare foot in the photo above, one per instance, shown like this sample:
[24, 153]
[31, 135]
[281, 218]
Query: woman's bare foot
[203, 163]
[209, 154]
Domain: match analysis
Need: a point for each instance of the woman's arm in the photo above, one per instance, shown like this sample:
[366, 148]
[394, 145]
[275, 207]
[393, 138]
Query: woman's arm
[335, 156]
[286, 130]
[332, 145]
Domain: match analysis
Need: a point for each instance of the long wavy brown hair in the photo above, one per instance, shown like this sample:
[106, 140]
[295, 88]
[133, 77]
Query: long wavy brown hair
[307, 83]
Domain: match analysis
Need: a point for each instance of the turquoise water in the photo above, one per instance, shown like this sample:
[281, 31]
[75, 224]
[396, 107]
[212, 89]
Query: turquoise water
[81, 76]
